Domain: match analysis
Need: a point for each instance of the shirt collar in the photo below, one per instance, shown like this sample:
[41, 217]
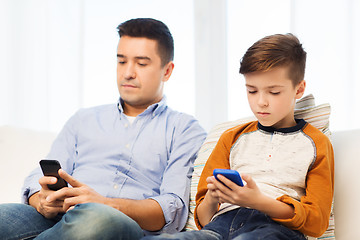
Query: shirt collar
[300, 123]
[154, 109]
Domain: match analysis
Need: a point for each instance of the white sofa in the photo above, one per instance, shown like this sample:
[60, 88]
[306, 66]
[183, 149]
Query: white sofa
[21, 150]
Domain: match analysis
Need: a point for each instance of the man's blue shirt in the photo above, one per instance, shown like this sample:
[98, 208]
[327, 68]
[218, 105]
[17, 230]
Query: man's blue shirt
[150, 158]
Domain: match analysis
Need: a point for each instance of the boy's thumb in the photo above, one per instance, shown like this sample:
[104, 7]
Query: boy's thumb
[248, 179]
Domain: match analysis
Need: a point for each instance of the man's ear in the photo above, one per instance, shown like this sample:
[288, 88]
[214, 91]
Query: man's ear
[168, 69]
[300, 89]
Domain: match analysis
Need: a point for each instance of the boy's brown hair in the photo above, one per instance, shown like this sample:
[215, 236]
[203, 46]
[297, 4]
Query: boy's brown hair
[279, 50]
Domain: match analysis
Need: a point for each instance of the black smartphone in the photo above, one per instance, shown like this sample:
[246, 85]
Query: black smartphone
[51, 168]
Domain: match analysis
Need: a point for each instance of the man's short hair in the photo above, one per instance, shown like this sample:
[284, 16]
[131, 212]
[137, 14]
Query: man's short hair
[279, 50]
[151, 29]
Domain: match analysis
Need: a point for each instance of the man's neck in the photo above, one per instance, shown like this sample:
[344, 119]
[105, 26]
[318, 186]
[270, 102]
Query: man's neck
[133, 111]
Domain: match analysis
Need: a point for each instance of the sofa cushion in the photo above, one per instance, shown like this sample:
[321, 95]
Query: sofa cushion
[305, 108]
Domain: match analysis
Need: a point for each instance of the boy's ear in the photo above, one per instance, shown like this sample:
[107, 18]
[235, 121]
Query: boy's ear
[300, 89]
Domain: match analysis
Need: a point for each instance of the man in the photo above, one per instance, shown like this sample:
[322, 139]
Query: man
[129, 164]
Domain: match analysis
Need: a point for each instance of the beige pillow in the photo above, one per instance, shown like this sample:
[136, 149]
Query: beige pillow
[305, 108]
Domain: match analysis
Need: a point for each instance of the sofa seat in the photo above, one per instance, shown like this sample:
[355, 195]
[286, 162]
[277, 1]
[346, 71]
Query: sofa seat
[22, 149]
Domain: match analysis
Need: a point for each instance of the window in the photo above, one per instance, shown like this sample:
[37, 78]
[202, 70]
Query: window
[58, 56]
[248, 21]
[329, 36]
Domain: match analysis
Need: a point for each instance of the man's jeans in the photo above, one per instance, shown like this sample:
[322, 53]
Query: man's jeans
[85, 221]
[238, 224]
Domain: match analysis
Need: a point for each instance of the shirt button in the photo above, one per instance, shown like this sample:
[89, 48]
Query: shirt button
[127, 145]
[115, 186]
[126, 125]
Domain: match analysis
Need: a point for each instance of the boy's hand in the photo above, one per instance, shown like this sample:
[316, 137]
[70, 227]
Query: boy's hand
[246, 196]
[213, 191]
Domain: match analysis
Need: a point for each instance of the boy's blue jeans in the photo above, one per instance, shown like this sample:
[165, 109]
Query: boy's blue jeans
[85, 221]
[239, 224]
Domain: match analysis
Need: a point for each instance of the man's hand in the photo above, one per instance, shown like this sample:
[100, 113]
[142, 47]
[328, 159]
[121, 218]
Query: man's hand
[40, 202]
[147, 212]
[79, 193]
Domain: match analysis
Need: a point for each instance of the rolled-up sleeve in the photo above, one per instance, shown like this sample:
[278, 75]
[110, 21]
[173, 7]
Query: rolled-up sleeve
[175, 188]
[175, 211]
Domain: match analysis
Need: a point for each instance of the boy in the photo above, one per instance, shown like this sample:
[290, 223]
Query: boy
[288, 164]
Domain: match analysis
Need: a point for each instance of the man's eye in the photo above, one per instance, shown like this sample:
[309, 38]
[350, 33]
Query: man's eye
[251, 92]
[121, 62]
[275, 93]
[142, 64]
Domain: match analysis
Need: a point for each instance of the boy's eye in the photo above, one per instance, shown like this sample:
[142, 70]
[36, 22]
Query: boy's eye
[142, 64]
[275, 93]
[252, 92]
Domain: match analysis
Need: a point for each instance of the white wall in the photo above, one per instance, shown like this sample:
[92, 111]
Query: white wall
[57, 56]
[40, 62]
[330, 31]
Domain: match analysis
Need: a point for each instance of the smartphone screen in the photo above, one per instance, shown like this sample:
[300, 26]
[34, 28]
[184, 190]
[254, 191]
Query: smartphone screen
[51, 168]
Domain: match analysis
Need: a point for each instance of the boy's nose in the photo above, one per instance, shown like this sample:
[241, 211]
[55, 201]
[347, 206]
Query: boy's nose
[262, 101]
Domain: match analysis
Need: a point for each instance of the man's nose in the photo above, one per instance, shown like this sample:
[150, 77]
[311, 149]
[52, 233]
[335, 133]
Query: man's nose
[130, 71]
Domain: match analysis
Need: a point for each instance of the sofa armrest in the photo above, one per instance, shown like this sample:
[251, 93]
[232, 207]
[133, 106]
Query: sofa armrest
[347, 183]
